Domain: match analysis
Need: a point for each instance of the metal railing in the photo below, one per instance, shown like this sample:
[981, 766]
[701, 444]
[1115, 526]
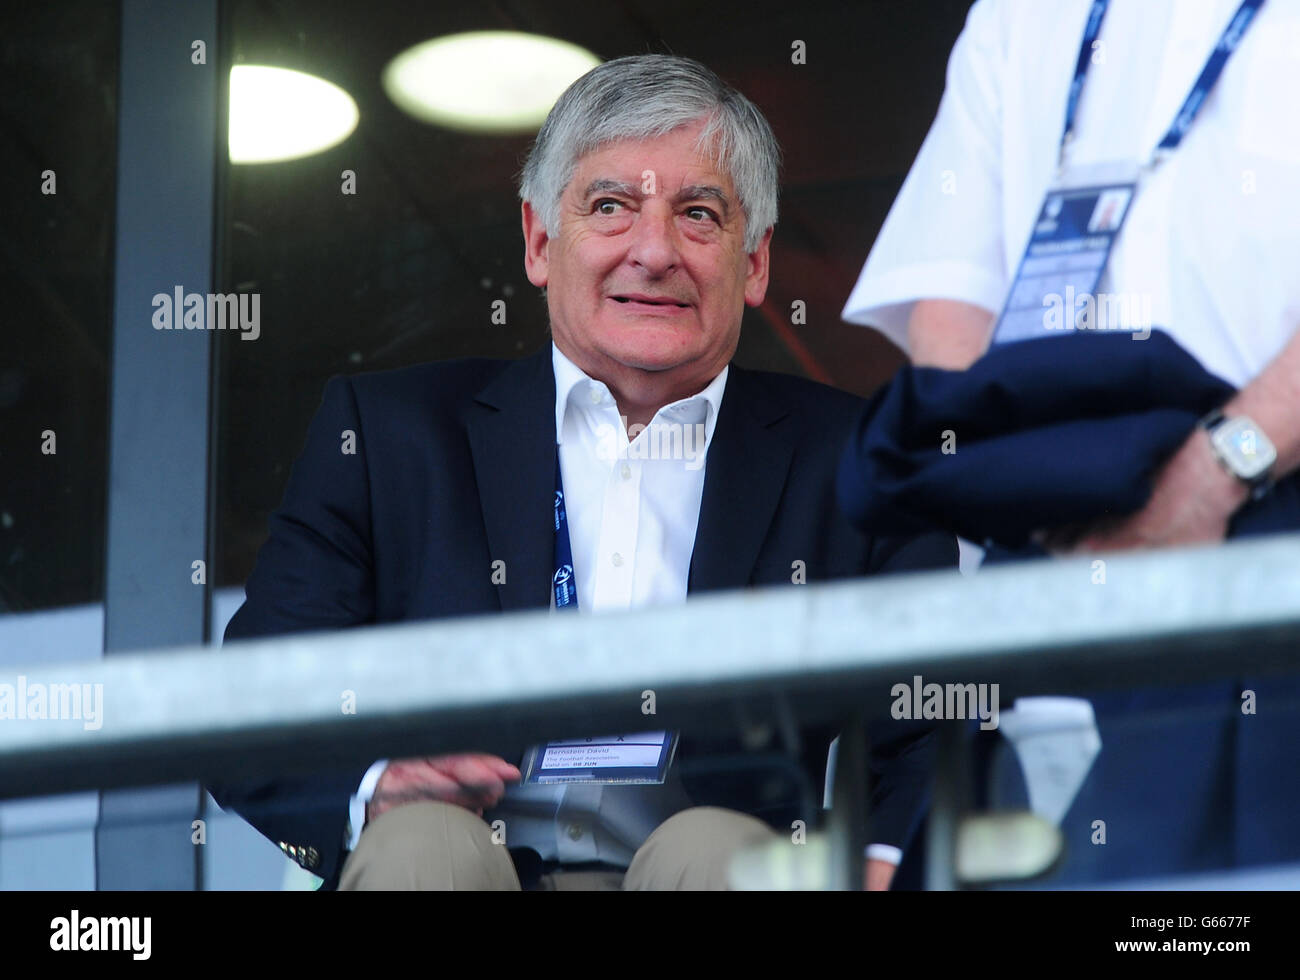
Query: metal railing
[815, 653]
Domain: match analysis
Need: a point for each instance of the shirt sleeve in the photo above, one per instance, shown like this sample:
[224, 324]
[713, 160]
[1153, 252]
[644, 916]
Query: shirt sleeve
[943, 237]
[885, 852]
[357, 805]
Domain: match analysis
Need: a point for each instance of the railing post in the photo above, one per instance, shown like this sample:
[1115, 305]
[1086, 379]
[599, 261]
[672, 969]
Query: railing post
[950, 801]
[158, 492]
[847, 826]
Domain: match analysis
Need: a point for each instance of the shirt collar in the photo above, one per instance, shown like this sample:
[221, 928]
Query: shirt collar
[571, 379]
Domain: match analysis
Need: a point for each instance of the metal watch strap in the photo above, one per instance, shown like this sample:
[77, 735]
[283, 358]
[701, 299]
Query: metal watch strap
[1258, 485]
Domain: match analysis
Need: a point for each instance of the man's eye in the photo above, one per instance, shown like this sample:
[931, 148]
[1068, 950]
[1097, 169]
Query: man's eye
[701, 214]
[607, 206]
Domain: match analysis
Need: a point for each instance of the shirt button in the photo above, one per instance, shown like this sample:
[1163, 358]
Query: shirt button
[595, 396]
[575, 831]
[626, 472]
[618, 560]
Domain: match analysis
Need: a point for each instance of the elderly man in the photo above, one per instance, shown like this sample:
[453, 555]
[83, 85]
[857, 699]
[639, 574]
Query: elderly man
[649, 200]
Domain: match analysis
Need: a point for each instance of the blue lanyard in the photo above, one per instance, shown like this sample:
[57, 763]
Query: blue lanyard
[566, 590]
[1227, 44]
[1091, 29]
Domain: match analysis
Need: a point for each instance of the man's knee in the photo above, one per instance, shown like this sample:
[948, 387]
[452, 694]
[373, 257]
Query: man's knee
[428, 846]
[715, 823]
[692, 850]
[413, 824]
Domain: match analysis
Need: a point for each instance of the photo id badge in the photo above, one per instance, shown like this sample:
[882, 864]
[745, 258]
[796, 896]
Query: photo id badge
[640, 758]
[1054, 289]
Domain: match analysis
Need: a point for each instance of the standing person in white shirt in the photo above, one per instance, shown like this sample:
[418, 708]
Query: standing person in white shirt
[1210, 248]
[1213, 237]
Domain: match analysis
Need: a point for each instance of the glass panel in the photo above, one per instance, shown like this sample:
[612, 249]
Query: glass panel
[58, 96]
[58, 85]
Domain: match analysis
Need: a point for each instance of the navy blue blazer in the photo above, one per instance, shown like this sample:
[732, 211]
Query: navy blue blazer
[454, 468]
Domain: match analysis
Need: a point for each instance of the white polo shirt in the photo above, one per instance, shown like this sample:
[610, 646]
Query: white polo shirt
[1213, 236]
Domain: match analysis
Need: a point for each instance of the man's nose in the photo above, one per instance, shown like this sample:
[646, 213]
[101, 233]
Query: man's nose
[654, 239]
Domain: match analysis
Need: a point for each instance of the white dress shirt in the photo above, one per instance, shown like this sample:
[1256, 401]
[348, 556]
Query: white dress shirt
[1213, 236]
[632, 508]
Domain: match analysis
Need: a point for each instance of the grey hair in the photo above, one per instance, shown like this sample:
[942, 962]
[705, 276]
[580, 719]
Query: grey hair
[644, 97]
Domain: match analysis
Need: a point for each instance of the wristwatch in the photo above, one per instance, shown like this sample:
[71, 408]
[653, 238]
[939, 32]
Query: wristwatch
[1242, 449]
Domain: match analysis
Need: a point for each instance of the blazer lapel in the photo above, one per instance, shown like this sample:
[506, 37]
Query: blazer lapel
[511, 429]
[749, 459]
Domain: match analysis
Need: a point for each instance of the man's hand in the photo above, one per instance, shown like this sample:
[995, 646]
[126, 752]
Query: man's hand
[475, 781]
[1192, 502]
[877, 875]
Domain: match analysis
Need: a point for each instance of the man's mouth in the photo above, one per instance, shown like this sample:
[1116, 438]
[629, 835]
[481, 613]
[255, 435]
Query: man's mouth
[640, 299]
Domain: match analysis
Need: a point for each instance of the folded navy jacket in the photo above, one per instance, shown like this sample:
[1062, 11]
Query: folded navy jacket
[1036, 435]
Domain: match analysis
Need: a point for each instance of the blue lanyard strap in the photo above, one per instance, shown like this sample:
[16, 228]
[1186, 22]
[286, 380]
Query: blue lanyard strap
[1205, 81]
[566, 590]
[1228, 41]
[1091, 29]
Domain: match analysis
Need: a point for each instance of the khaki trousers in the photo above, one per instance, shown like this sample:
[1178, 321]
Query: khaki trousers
[441, 847]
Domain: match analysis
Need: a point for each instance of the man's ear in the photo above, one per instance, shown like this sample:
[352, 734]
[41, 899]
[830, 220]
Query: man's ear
[536, 241]
[759, 266]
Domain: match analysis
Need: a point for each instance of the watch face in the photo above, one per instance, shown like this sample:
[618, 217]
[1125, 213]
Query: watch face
[1245, 449]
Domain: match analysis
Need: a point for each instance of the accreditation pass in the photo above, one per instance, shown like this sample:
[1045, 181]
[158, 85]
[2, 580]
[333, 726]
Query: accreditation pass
[640, 758]
[1080, 218]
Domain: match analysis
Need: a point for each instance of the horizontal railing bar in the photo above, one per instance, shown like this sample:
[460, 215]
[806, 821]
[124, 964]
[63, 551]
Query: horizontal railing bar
[497, 683]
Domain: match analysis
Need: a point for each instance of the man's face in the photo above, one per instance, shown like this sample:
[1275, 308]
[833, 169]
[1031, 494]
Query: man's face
[647, 270]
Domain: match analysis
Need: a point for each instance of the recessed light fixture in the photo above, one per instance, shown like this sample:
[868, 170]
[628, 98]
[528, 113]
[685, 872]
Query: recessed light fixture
[485, 81]
[281, 114]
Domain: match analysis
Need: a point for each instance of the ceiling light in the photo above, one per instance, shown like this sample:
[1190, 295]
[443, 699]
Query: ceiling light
[485, 81]
[281, 114]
